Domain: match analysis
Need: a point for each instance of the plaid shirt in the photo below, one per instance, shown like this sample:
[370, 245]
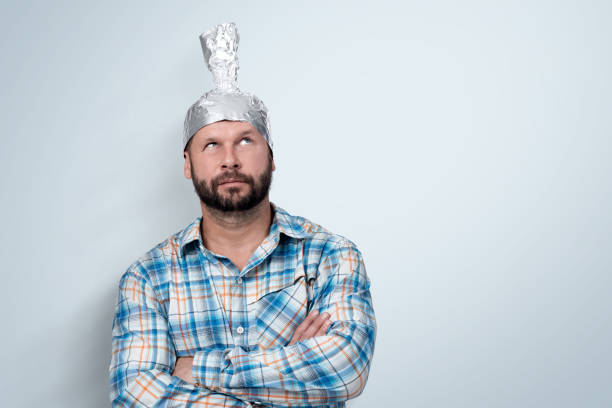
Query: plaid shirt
[180, 299]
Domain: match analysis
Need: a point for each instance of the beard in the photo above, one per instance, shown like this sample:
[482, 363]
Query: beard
[232, 201]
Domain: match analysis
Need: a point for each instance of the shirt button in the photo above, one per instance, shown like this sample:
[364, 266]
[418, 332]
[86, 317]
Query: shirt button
[239, 280]
[240, 329]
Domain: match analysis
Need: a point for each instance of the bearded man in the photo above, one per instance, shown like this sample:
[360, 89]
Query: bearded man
[248, 305]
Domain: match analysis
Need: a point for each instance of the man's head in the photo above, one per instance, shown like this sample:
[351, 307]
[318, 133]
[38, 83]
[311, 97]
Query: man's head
[226, 101]
[230, 164]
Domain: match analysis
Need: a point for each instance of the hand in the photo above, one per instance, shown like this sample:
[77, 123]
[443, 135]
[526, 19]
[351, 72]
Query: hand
[313, 325]
[182, 369]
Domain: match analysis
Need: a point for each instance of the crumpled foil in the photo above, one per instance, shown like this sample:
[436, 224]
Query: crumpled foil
[225, 101]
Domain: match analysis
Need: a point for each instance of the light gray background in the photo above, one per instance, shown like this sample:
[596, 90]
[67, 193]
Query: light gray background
[464, 146]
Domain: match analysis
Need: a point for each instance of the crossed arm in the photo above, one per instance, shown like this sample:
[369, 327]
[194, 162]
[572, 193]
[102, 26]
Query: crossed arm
[315, 324]
[326, 362]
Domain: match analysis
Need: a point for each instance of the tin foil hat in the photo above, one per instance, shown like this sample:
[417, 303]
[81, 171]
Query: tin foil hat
[225, 101]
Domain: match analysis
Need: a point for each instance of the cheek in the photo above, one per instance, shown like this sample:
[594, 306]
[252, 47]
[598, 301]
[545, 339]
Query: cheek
[202, 170]
[258, 163]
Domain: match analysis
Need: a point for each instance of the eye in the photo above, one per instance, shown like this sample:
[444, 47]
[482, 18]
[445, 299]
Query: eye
[210, 144]
[246, 140]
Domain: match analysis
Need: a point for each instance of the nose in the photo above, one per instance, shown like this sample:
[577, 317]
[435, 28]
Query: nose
[230, 160]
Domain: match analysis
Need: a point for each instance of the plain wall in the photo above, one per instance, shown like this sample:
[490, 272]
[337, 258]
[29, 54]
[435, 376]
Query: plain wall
[464, 146]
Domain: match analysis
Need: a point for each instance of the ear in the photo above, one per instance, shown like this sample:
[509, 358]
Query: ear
[187, 168]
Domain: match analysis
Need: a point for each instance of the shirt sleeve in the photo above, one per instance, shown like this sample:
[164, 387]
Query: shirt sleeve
[143, 356]
[322, 370]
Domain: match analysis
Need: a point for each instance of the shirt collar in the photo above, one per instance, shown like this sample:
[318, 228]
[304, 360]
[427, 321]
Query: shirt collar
[295, 227]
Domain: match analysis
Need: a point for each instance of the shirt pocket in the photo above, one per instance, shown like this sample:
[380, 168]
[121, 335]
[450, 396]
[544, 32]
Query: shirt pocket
[279, 312]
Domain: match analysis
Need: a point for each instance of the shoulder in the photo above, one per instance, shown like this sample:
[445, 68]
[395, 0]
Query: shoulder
[156, 262]
[318, 238]
[331, 256]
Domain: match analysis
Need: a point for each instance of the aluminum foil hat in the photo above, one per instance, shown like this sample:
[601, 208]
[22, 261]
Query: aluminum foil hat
[225, 101]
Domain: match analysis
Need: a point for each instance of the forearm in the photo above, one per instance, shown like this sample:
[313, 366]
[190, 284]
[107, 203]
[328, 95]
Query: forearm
[160, 389]
[319, 371]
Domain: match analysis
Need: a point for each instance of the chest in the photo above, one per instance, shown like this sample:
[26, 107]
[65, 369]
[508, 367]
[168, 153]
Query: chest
[211, 304]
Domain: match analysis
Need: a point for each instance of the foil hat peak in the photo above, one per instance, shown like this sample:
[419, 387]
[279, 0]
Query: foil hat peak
[225, 101]
[220, 47]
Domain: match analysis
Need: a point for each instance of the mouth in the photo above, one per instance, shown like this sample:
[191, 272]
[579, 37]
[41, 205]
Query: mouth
[231, 181]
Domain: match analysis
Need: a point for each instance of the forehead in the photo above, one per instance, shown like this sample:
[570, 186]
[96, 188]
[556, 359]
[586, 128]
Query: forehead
[226, 128]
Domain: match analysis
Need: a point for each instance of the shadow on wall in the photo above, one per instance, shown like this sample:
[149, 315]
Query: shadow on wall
[85, 352]
[85, 336]
[91, 350]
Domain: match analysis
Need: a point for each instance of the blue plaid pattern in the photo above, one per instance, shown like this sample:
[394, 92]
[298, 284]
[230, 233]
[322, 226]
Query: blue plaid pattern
[180, 299]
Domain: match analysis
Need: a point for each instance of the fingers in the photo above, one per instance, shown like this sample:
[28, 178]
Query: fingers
[323, 329]
[297, 334]
[313, 325]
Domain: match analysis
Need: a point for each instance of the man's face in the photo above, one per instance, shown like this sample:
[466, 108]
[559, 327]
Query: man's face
[230, 165]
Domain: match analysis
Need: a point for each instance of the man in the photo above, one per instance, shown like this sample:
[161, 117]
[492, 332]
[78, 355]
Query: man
[248, 305]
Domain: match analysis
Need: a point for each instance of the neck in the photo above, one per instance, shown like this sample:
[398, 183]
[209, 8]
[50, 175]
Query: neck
[229, 232]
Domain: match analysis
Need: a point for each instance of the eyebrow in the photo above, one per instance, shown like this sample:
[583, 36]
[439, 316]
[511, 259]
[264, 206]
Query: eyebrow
[214, 138]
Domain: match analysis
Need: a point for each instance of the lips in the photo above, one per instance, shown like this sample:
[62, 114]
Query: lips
[231, 181]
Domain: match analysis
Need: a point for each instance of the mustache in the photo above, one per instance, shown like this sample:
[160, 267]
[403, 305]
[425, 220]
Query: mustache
[232, 176]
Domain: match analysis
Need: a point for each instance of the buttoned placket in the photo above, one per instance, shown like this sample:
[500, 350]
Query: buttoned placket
[237, 317]
[239, 322]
